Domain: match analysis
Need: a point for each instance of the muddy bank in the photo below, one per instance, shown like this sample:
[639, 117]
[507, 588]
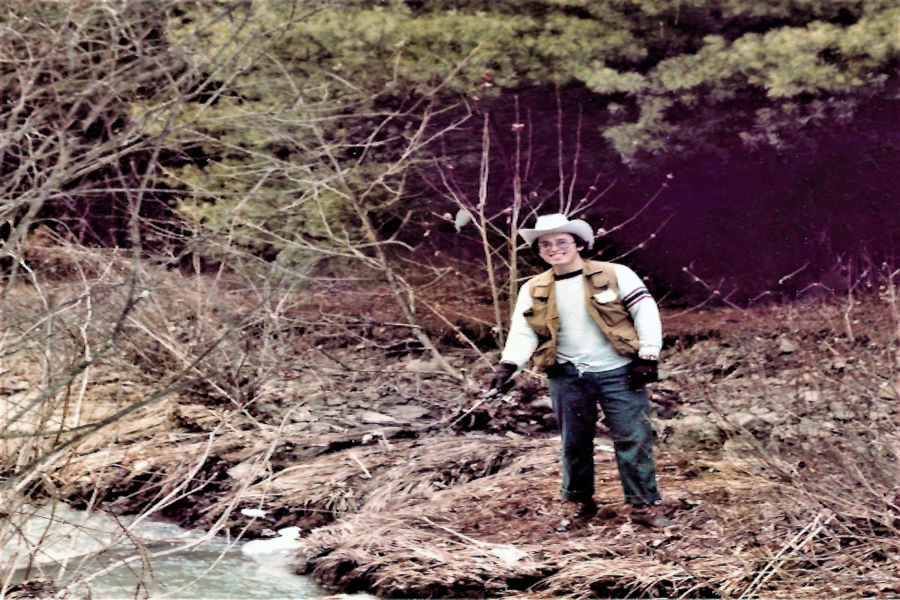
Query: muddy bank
[777, 460]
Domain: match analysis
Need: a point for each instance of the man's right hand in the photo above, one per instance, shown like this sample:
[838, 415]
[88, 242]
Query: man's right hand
[502, 380]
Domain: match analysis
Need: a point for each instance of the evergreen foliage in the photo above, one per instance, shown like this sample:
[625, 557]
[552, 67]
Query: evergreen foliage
[313, 89]
[287, 123]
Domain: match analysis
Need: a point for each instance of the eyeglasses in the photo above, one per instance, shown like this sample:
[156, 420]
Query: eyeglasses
[560, 244]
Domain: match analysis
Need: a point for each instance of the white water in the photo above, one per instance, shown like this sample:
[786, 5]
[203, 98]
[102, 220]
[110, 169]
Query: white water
[90, 553]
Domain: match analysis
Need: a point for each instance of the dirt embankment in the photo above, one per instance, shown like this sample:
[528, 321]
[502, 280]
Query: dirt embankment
[776, 458]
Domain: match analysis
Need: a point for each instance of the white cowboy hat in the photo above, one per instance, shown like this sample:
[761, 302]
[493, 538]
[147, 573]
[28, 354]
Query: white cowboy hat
[558, 223]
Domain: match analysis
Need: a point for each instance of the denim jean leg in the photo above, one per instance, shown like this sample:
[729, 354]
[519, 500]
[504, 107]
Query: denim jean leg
[627, 414]
[576, 411]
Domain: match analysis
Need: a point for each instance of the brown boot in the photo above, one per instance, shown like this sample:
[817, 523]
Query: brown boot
[583, 512]
[650, 515]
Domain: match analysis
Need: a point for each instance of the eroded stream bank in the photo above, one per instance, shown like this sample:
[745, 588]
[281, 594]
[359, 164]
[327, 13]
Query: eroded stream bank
[91, 554]
[777, 447]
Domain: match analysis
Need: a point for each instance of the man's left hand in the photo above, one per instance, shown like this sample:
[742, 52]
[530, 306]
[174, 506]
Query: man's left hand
[643, 371]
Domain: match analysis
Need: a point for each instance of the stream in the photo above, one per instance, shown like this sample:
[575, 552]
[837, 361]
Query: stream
[89, 553]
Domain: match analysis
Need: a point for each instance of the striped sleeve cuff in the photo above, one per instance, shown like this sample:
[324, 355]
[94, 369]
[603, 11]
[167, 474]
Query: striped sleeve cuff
[634, 297]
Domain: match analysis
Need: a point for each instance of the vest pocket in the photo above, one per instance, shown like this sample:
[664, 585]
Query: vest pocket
[537, 319]
[544, 355]
[612, 313]
[625, 342]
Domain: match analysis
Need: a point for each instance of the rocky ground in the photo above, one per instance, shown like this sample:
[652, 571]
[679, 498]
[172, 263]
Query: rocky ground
[776, 455]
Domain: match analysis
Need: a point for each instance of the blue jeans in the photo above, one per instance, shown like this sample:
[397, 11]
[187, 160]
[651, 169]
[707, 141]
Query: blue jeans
[627, 414]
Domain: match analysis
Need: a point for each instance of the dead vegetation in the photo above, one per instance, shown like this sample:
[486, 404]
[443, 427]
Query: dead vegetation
[777, 431]
[741, 532]
[341, 405]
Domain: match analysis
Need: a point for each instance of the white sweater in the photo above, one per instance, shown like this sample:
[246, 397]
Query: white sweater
[580, 340]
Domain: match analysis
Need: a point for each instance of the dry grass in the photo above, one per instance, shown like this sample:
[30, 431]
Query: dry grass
[739, 534]
[794, 497]
[374, 475]
[804, 508]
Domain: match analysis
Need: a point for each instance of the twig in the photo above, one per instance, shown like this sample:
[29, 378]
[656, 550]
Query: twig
[468, 411]
[811, 530]
[360, 463]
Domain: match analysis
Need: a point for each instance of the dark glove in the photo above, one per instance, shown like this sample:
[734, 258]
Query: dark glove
[502, 379]
[643, 371]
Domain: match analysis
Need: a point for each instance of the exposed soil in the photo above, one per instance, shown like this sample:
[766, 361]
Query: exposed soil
[776, 457]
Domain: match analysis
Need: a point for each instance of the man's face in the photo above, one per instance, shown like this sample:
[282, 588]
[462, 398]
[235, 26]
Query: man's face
[559, 250]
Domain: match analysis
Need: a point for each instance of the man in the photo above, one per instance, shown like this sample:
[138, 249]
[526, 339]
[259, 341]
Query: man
[596, 330]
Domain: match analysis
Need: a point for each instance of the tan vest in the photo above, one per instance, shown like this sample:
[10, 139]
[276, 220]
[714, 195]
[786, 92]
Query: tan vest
[604, 305]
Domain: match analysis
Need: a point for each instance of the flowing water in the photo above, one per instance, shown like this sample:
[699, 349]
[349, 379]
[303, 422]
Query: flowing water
[155, 560]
